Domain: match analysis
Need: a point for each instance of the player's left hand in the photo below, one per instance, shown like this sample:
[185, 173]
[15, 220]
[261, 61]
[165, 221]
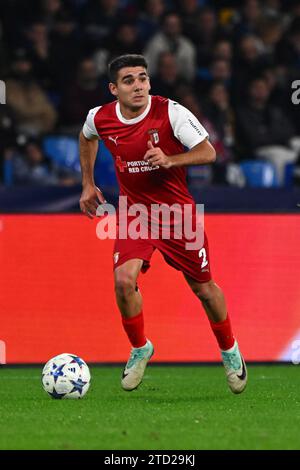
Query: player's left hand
[155, 156]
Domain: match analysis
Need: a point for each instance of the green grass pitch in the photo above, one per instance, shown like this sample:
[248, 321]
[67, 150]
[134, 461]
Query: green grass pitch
[175, 408]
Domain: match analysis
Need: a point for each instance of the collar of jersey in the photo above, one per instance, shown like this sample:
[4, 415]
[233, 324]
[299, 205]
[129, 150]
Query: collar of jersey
[133, 120]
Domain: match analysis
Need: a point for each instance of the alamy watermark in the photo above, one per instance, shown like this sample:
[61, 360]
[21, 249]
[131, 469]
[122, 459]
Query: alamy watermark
[296, 94]
[2, 352]
[2, 92]
[157, 221]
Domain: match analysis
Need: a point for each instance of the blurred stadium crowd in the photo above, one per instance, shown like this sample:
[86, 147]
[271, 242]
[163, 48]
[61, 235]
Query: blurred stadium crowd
[232, 63]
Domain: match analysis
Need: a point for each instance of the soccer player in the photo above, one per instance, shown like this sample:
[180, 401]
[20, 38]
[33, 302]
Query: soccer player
[149, 134]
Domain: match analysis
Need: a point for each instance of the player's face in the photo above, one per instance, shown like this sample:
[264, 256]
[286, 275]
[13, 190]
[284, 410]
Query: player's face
[132, 88]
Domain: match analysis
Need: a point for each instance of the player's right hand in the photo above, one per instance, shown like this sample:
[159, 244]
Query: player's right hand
[89, 201]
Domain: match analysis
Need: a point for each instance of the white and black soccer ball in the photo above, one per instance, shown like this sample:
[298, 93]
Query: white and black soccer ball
[66, 376]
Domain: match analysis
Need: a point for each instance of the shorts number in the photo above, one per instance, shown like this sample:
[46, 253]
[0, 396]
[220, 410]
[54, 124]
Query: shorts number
[202, 253]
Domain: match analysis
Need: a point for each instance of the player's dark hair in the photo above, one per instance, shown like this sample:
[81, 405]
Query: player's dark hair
[127, 60]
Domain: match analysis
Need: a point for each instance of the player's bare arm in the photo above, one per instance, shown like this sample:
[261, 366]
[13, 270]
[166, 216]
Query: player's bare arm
[91, 195]
[201, 154]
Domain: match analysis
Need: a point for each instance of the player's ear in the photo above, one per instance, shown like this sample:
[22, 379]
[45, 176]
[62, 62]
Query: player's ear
[113, 89]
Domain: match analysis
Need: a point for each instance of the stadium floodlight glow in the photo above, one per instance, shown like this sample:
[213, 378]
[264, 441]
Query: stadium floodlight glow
[296, 352]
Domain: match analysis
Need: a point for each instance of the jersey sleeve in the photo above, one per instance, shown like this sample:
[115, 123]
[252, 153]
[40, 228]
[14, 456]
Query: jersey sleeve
[89, 129]
[186, 127]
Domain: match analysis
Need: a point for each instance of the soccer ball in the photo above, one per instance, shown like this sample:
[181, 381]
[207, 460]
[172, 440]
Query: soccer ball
[66, 376]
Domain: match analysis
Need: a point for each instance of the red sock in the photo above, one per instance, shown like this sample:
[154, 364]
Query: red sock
[134, 328]
[223, 332]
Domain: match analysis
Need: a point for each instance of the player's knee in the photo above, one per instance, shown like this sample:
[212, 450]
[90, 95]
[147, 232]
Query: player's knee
[204, 292]
[124, 285]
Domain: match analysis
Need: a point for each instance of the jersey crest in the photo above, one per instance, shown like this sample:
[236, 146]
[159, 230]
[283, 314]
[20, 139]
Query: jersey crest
[154, 136]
